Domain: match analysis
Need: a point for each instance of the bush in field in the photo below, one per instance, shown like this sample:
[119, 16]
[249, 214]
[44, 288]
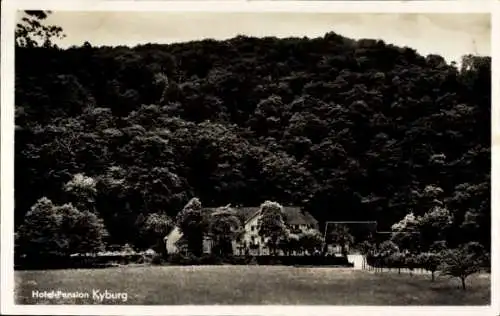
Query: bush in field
[310, 240]
[388, 248]
[411, 262]
[51, 230]
[397, 260]
[463, 261]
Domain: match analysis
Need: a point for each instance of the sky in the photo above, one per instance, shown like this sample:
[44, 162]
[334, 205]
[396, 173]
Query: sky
[449, 35]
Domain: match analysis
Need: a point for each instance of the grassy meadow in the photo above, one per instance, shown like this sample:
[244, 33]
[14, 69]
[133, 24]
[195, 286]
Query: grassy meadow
[253, 285]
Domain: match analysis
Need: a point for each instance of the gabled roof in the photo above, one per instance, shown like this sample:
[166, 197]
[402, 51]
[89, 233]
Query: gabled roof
[293, 214]
[246, 213]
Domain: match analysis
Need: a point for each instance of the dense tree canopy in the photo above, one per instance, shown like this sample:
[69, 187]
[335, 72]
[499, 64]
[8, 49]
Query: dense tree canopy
[350, 130]
[50, 230]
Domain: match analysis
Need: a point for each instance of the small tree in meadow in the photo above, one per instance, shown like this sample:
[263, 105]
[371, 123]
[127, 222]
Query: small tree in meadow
[411, 262]
[385, 252]
[388, 248]
[397, 260]
[462, 261]
[430, 261]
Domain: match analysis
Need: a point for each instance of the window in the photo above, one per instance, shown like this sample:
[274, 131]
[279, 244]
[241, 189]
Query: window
[252, 228]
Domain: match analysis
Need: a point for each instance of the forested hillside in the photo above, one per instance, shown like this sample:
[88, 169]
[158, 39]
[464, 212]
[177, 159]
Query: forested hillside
[350, 130]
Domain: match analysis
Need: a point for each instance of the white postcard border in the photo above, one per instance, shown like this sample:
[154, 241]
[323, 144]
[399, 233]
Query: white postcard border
[7, 149]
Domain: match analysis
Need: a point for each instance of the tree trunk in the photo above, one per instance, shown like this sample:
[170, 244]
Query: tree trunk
[432, 276]
[463, 283]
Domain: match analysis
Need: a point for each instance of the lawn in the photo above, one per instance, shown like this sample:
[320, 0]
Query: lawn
[251, 285]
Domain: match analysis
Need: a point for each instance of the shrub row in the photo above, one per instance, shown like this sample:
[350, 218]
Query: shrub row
[401, 262]
[77, 262]
[179, 259]
[56, 262]
[420, 261]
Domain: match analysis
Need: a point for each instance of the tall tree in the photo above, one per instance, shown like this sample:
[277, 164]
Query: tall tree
[225, 227]
[271, 224]
[32, 32]
[153, 230]
[50, 230]
[193, 223]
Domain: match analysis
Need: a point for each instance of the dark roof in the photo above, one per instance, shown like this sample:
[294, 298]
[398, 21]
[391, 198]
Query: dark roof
[245, 212]
[248, 212]
[293, 214]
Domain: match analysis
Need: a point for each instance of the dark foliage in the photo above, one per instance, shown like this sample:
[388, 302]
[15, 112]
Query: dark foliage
[180, 259]
[347, 129]
[77, 262]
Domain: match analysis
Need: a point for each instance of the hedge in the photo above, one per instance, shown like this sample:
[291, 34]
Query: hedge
[103, 261]
[76, 262]
[179, 259]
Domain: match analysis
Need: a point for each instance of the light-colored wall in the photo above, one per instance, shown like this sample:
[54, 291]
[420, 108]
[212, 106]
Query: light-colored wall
[172, 238]
[249, 233]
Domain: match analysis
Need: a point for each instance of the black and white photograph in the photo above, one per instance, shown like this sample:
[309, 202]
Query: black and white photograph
[169, 158]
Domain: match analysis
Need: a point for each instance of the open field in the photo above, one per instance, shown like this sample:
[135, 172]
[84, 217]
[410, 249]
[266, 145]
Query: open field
[244, 285]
